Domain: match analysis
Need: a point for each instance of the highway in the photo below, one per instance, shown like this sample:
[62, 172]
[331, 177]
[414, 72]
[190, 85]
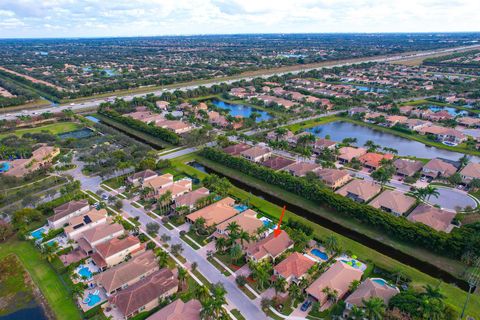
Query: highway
[95, 102]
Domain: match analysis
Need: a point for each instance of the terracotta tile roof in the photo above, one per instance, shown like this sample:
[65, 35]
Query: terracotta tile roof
[348, 153]
[436, 218]
[247, 220]
[373, 159]
[407, 167]
[331, 176]
[177, 188]
[126, 272]
[371, 288]
[87, 218]
[101, 232]
[276, 162]
[159, 182]
[115, 246]
[236, 149]
[271, 245]
[145, 291]
[216, 212]
[301, 168]
[364, 190]
[393, 200]
[256, 151]
[145, 174]
[338, 277]
[179, 310]
[445, 168]
[322, 143]
[67, 208]
[295, 265]
[471, 170]
[190, 198]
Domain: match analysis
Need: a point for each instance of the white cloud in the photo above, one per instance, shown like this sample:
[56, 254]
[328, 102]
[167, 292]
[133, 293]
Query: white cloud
[71, 18]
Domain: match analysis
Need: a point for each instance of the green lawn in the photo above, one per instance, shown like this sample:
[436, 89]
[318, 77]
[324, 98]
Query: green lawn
[56, 294]
[54, 128]
[237, 314]
[455, 296]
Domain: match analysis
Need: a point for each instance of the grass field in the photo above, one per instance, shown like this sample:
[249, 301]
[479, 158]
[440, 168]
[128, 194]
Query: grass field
[54, 128]
[455, 296]
[56, 294]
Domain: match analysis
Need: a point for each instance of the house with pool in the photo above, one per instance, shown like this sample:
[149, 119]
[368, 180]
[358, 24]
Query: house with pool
[89, 239]
[215, 213]
[113, 252]
[139, 178]
[77, 225]
[62, 214]
[246, 220]
[189, 199]
[294, 267]
[338, 277]
[369, 288]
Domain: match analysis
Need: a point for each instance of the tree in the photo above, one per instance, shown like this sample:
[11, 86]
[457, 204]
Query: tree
[202, 293]
[177, 249]
[331, 294]
[353, 285]
[235, 252]
[356, 313]
[243, 236]
[261, 273]
[220, 244]
[165, 238]
[374, 308]
[194, 266]
[464, 160]
[6, 230]
[279, 285]
[241, 280]
[382, 175]
[455, 178]
[331, 244]
[294, 292]
[24, 217]
[426, 193]
[182, 277]
[233, 228]
[162, 257]
[152, 228]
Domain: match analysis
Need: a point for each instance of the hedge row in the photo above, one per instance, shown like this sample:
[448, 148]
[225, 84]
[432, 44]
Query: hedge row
[161, 133]
[454, 244]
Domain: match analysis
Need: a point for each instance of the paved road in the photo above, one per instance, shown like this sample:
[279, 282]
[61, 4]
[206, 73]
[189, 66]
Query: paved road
[95, 102]
[236, 299]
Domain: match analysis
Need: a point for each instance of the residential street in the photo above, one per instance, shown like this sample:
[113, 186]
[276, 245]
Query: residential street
[236, 299]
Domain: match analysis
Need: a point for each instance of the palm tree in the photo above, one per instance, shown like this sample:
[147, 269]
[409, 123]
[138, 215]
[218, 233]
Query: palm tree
[433, 292]
[354, 285]
[207, 311]
[182, 277]
[162, 257]
[431, 191]
[331, 244]
[419, 193]
[464, 160]
[202, 293]
[374, 308]
[279, 285]
[220, 244]
[243, 236]
[332, 294]
[233, 228]
[235, 252]
[303, 283]
[356, 313]
[294, 292]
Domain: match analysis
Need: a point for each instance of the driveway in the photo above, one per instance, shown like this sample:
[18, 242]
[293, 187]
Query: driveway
[451, 199]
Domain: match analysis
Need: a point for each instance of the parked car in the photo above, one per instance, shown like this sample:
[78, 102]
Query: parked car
[306, 305]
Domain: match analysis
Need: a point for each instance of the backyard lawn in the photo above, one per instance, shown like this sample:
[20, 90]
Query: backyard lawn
[56, 294]
[54, 128]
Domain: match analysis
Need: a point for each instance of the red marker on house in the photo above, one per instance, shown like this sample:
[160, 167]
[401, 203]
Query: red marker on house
[277, 230]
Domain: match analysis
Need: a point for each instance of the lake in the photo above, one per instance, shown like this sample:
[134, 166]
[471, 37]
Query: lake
[452, 111]
[370, 89]
[35, 312]
[340, 130]
[242, 110]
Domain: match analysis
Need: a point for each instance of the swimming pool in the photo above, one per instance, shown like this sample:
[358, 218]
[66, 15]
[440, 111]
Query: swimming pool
[38, 234]
[240, 207]
[84, 272]
[51, 243]
[92, 299]
[317, 252]
[4, 166]
[353, 263]
[382, 282]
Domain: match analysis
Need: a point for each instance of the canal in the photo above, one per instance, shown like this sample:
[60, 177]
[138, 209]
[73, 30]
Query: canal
[340, 130]
[377, 245]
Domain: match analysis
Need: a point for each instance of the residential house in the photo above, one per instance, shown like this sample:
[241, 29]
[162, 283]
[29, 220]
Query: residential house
[257, 153]
[126, 274]
[236, 149]
[333, 178]
[393, 120]
[179, 310]
[438, 168]
[269, 247]
[190, 199]
[370, 288]
[159, 182]
[469, 122]
[360, 190]
[417, 124]
[101, 233]
[177, 126]
[146, 294]
[470, 171]
[246, 220]
[177, 188]
[163, 105]
[338, 277]
[357, 110]
[66, 211]
[436, 218]
[112, 252]
[40, 158]
[372, 160]
[406, 110]
[300, 169]
[407, 167]
[277, 162]
[139, 178]
[215, 213]
[294, 267]
[273, 136]
[346, 154]
[444, 134]
[322, 144]
[393, 201]
[77, 225]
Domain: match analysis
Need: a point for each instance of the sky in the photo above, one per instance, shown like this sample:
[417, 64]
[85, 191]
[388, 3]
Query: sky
[112, 18]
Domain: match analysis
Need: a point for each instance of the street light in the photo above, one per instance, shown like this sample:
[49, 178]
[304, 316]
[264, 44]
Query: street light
[473, 281]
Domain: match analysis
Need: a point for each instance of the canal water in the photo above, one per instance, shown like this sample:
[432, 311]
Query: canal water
[31, 313]
[340, 130]
[352, 234]
[242, 110]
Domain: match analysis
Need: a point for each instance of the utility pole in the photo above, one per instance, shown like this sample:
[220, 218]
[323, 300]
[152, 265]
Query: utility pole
[473, 281]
